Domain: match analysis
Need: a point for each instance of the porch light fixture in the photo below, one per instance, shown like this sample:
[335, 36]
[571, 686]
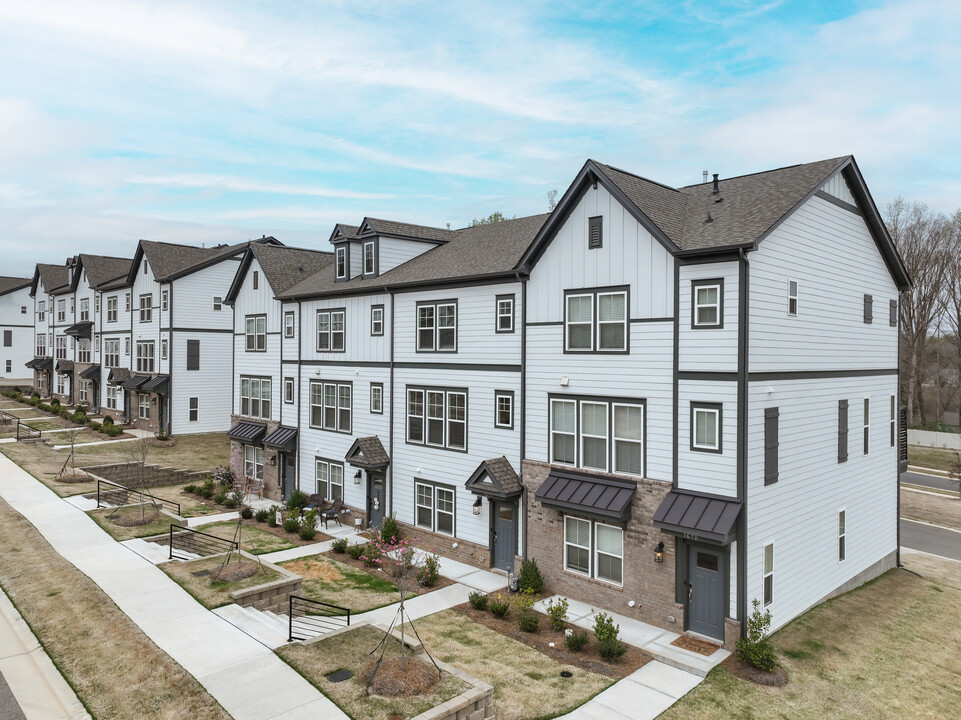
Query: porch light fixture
[659, 553]
[477, 505]
[273, 460]
[357, 478]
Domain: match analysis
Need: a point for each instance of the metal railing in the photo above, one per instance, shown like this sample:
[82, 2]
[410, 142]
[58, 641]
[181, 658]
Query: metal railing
[193, 542]
[310, 618]
[111, 493]
[24, 431]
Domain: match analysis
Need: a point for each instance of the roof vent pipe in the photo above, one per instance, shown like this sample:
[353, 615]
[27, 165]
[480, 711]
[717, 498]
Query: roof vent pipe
[705, 176]
[716, 191]
[448, 226]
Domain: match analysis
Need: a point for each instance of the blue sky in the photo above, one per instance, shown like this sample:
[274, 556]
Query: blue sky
[206, 122]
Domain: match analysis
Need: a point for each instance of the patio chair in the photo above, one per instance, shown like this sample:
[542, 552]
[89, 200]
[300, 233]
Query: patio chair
[332, 513]
[314, 502]
[256, 488]
[239, 485]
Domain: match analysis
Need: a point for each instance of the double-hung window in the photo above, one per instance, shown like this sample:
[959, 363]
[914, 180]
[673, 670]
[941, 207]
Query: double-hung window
[867, 425]
[330, 330]
[164, 300]
[894, 420]
[340, 261]
[768, 574]
[437, 326]
[376, 319]
[61, 346]
[255, 397]
[41, 311]
[329, 477]
[504, 409]
[594, 435]
[112, 392]
[61, 311]
[842, 550]
[370, 259]
[112, 308]
[111, 352]
[792, 297]
[146, 308]
[434, 507]
[597, 434]
[143, 405]
[288, 324]
[437, 417]
[594, 549]
[145, 356]
[256, 333]
[628, 434]
[288, 390]
[706, 427]
[61, 384]
[377, 398]
[84, 390]
[254, 462]
[193, 409]
[330, 405]
[41, 344]
[595, 321]
[83, 350]
[504, 321]
[84, 309]
[707, 303]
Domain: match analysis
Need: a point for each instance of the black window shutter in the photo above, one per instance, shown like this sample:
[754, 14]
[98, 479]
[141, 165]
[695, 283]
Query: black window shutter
[842, 431]
[193, 354]
[8, 338]
[770, 445]
[868, 309]
[893, 313]
[595, 237]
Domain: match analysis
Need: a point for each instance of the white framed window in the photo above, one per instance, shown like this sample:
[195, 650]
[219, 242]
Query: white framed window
[126, 302]
[330, 405]
[594, 435]
[867, 425]
[255, 333]
[83, 350]
[340, 261]
[842, 532]
[792, 297]
[504, 409]
[41, 344]
[577, 545]
[145, 356]
[218, 303]
[61, 384]
[595, 321]
[579, 322]
[628, 434]
[330, 330]
[370, 265]
[377, 398]
[608, 553]
[415, 416]
[611, 321]
[254, 462]
[96, 304]
[437, 326]
[193, 409]
[437, 417]
[112, 308]
[112, 393]
[435, 506]
[597, 434]
[255, 397]
[163, 349]
[768, 574]
[256, 279]
[288, 324]
[164, 300]
[9, 366]
[146, 308]
[288, 390]
[706, 427]
[61, 311]
[111, 352]
[42, 311]
[61, 348]
[329, 478]
[707, 303]
[143, 404]
[563, 431]
[377, 320]
[84, 309]
[126, 346]
[504, 320]
[894, 420]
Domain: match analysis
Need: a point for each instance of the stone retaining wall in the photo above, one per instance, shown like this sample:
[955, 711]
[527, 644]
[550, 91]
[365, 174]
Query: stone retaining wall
[272, 596]
[128, 474]
[475, 703]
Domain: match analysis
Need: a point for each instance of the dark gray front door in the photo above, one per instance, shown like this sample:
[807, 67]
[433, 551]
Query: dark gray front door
[290, 474]
[504, 518]
[375, 498]
[706, 592]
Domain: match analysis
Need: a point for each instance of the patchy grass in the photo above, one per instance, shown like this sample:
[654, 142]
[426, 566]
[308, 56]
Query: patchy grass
[114, 668]
[208, 593]
[889, 649]
[944, 510]
[253, 539]
[931, 457]
[526, 683]
[351, 651]
[103, 518]
[190, 505]
[337, 583]
[49, 424]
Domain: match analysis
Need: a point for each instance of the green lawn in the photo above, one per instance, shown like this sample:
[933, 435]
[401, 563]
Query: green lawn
[336, 583]
[931, 457]
[253, 539]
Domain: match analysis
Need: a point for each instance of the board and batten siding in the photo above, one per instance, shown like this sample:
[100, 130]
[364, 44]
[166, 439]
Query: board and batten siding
[257, 363]
[799, 513]
[700, 470]
[708, 349]
[832, 256]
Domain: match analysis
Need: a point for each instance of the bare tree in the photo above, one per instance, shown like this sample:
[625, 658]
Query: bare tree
[551, 200]
[922, 239]
[135, 452]
[71, 435]
[952, 292]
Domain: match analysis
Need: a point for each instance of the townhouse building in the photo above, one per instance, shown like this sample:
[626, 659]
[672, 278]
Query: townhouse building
[650, 391]
[49, 291]
[16, 328]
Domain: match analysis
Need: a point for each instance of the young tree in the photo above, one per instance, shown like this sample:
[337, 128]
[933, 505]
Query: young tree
[71, 435]
[135, 452]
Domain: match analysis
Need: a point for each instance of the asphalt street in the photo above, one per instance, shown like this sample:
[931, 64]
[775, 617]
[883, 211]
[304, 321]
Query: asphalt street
[931, 481]
[9, 709]
[931, 539]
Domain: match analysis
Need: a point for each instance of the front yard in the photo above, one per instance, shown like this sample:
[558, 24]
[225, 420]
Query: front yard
[931, 457]
[119, 523]
[194, 577]
[336, 583]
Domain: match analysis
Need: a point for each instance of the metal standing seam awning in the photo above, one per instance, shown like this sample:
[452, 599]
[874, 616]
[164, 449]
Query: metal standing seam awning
[283, 439]
[135, 382]
[585, 494]
[159, 384]
[32, 364]
[368, 453]
[698, 516]
[495, 479]
[43, 364]
[249, 433]
[80, 329]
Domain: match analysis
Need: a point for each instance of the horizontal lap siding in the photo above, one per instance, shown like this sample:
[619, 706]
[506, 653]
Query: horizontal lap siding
[290, 346]
[707, 349]
[24, 339]
[703, 471]
[396, 252]
[289, 412]
[211, 384]
[831, 255]
[119, 330]
[193, 297]
[799, 512]
[360, 346]
[264, 364]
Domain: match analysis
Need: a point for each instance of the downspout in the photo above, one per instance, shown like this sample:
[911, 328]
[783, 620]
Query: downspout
[300, 405]
[897, 444]
[523, 417]
[170, 359]
[744, 278]
[389, 474]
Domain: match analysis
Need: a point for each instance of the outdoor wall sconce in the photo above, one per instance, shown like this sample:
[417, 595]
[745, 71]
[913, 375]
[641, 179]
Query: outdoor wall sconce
[273, 461]
[477, 505]
[659, 553]
[357, 478]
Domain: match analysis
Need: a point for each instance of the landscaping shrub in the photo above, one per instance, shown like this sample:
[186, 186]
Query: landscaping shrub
[272, 515]
[477, 600]
[557, 612]
[161, 435]
[206, 492]
[429, 571]
[229, 502]
[339, 545]
[576, 640]
[355, 551]
[525, 600]
[297, 501]
[261, 515]
[220, 498]
[389, 529]
[307, 532]
[55, 403]
[292, 524]
[94, 425]
[192, 489]
[112, 430]
[107, 420]
[528, 621]
[246, 513]
[372, 555]
[224, 475]
[530, 577]
[604, 627]
[611, 648]
[499, 608]
[755, 649]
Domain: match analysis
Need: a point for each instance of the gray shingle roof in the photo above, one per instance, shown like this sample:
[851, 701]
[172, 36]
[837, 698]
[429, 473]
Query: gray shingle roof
[367, 452]
[495, 478]
[9, 284]
[102, 268]
[168, 260]
[52, 277]
[391, 227]
[284, 267]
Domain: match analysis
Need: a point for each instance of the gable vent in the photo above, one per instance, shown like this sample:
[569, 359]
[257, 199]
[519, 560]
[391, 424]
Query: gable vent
[595, 232]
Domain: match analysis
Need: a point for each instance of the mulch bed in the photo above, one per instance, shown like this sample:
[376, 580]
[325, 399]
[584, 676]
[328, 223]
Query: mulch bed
[586, 658]
[235, 572]
[75, 478]
[694, 645]
[154, 442]
[346, 559]
[743, 670]
[397, 677]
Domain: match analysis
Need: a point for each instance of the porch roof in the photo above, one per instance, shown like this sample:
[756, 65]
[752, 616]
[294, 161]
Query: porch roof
[368, 453]
[159, 384]
[249, 433]
[283, 439]
[495, 478]
[698, 515]
[91, 373]
[80, 329]
[135, 382]
[118, 376]
[605, 498]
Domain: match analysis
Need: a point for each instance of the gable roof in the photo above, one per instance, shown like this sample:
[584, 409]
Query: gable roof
[283, 266]
[9, 284]
[343, 232]
[169, 261]
[51, 279]
[374, 226]
[100, 269]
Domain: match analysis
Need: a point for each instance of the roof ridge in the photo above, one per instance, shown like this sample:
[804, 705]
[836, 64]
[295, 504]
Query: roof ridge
[763, 172]
[635, 175]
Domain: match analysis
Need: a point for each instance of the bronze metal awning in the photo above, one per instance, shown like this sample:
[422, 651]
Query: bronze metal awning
[135, 382]
[592, 495]
[91, 373]
[80, 329]
[496, 479]
[250, 433]
[159, 384]
[698, 516]
[283, 439]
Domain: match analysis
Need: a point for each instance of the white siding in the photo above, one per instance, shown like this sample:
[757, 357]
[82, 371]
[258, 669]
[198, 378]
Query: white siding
[210, 384]
[22, 336]
[708, 349]
[120, 330]
[359, 345]
[266, 363]
[838, 187]
[393, 252]
[699, 470]
[193, 297]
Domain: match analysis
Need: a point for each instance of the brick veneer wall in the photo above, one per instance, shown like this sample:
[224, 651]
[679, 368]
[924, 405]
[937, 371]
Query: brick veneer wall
[272, 488]
[650, 585]
[466, 552]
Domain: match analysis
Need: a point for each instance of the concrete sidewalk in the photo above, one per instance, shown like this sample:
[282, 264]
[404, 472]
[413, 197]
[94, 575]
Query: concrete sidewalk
[245, 677]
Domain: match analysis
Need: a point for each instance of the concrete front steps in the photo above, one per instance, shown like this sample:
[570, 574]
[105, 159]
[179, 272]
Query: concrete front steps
[264, 626]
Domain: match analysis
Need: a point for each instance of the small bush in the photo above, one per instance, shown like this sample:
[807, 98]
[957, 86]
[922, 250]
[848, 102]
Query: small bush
[80, 410]
[230, 502]
[755, 649]
[55, 403]
[477, 600]
[528, 621]
[246, 513]
[297, 501]
[292, 525]
[429, 571]
[220, 498]
[389, 529]
[557, 612]
[94, 425]
[307, 533]
[339, 546]
[576, 640]
[525, 600]
[530, 577]
[261, 515]
[604, 628]
[499, 608]
[206, 493]
[107, 420]
[112, 430]
[355, 551]
[611, 648]
[161, 435]
[192, 489]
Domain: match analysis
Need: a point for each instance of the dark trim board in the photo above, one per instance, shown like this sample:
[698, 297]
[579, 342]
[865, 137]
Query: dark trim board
[839, 202]
[814, 374]
[466, 367]
[706, 376]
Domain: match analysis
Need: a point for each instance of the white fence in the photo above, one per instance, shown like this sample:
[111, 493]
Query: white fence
[927, 438]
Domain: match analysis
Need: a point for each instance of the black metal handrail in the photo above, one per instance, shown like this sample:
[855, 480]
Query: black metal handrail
[193, 541]
[310, 618]
[24, 431]
[117, 495]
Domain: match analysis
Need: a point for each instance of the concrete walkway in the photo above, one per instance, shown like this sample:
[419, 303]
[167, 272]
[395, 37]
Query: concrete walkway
[245, 677]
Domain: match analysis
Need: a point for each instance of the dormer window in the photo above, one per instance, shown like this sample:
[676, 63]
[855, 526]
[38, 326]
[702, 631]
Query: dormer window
[341, 263]
[370, 266]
